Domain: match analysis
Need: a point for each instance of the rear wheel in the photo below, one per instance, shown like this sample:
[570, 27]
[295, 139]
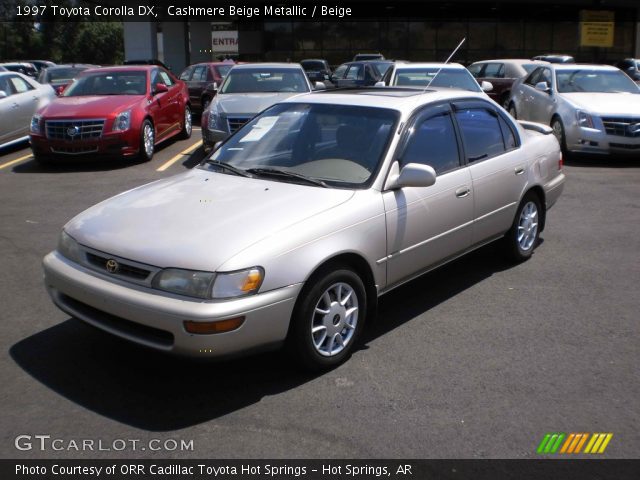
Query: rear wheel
[522, 238]
[147, 141]
[328, 319]
[512, 111]
[504, 101]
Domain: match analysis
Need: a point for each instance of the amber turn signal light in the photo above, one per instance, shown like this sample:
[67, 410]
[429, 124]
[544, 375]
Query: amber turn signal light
[208, 328]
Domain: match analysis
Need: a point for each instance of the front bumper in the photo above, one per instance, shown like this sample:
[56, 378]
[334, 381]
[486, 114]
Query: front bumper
[590, 140]
[210, 137]
[113, 144]
[155, 319]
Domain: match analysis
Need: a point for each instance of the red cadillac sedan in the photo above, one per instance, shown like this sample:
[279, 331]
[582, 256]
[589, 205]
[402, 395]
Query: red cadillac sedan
[119, 112]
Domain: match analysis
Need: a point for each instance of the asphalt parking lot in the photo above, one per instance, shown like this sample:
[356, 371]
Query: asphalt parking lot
[478, 359]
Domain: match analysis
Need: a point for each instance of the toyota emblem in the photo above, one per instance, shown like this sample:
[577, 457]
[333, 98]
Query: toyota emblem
[112, 266]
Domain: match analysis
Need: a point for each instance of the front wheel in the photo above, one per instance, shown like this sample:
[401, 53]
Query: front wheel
[328, 319]
[512, 111]
[524, 234]
[147, 141]
[558, 132]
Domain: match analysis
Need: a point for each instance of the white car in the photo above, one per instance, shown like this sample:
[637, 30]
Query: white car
[20, 98]
[591, 108]
[291, 230]
[419, 75]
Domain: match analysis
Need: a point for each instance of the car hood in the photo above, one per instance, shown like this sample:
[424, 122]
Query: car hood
[90, 106]
[199, 219]
[605, 103]
[250, 103]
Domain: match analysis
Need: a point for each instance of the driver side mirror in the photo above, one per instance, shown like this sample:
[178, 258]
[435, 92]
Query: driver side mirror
[413, 175]
[319, 86]
[486, 86]
[380, 84]
[3, 94]
[160, 88]
[543, 87]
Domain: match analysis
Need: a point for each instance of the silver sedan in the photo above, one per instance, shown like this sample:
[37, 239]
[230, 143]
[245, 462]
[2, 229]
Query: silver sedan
[20, 98]
[591, 108]
[291, 230]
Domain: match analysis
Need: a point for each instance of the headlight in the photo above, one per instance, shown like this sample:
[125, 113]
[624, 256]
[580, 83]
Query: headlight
[122, 122]
[35, 123]
[237, 284]
[584, 119]
[213, 115]
[185, 282]
[68, 247]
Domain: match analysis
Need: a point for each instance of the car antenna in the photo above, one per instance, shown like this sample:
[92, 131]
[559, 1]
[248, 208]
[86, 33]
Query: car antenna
[445, 62]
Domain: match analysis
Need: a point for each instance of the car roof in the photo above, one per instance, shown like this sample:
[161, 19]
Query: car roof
[123, 68]
[581, 66]
[249, 66]
[406, 66]
[395, 98]
[517, 61]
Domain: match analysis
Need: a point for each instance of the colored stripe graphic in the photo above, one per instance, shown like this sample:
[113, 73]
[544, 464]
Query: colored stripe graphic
[572, 443]
[550, 443]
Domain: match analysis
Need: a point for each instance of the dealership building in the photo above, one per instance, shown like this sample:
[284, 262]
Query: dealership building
[602, 31]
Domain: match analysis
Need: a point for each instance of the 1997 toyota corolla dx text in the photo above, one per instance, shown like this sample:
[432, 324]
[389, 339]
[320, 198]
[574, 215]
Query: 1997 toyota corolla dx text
[290, 231]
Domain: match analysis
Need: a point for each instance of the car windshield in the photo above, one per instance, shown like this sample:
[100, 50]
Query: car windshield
[224, 69]
[247, 80]
[109, 83]
[312, 65]
[530, 67]
[448, 77]
[594, 81]
[340, 145]
[381, 67]
[54, 75]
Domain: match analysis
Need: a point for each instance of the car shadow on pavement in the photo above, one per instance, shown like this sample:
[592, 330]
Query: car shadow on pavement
[157, 392]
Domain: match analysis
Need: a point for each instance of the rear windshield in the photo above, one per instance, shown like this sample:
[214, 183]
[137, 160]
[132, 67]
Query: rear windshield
[62, 74]
[447, 77]
[312, 65]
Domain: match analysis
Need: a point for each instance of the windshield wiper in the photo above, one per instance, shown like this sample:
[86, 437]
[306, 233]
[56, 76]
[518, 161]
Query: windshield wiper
[275, 172]
[230, 168]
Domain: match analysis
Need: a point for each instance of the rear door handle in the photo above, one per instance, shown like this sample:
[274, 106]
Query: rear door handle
[463, 192]
[519, 171]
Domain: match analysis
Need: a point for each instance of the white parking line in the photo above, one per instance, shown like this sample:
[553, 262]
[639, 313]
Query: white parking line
[173, 160]
[13, 162]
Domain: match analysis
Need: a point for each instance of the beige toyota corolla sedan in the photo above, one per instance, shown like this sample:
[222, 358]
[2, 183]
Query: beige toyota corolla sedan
[291, 230]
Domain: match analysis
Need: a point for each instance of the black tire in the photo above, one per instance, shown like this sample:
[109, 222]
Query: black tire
[145, 154]
[504, 100]
[512, 111]
[187, 126]
[517, 248]
[41, 160]
[558, 131]
[205, 103]
[305, 348]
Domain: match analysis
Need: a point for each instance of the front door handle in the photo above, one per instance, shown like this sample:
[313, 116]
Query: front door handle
[519, 170]
[463, 192]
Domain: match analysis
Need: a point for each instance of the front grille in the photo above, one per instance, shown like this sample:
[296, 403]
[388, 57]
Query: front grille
[124, 269]
[74, 150]
[74, 130]
[144, 333]
[625, 146]
[236, 122]
[622, 126]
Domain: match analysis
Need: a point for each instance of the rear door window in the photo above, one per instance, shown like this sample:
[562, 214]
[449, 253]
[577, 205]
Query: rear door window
[481, 133]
